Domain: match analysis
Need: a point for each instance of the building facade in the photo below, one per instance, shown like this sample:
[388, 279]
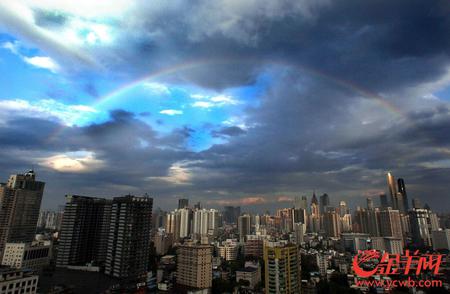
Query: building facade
[20, 202]
[128, 250]
[282, 268]
[35, 256]
[84, 231]
[194, 266]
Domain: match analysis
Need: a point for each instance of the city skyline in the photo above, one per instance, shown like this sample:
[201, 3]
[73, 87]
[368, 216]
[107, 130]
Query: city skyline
[133, 247]
[226, 102]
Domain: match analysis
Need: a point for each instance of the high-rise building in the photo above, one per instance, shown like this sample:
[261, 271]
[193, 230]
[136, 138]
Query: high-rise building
[282, 268]
[183, 223]
[84, 231]
[343, 208]
[331, 223]
[254, 245]
[345, 223]
[198, 205]
[390, 223]
[229, 249]
[314, 220]
[194, 266]
[158, 218]
[390, 244]
[369, 203]
[183, 203]
[441, 239]
[396, 197]
[300, 215]
[162, 242]
[373, 222]
[299, 233]
[244, 227]
[286, 216]
[324, 202]
[129, 236]
[423, 222]
[416, 203]
[384, 202]
[300, 202]
[20, 201]
[50, 220]
[231, 214]
[213, 222]
[200, 223]
[402, 191]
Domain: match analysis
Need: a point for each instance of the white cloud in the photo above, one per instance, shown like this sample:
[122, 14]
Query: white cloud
[171, 112]
[13, 47]
[18, 18]
[43, 62]
[84, 8]
[203, 104]
[198, 96]
[223, 100]
[76, 162]
[177, 174]
[37, 61]
[45, 108]
[157, 88]
[213, 101]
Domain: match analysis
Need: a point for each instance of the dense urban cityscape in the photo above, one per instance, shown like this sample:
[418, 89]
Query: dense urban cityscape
[224, 146]
[124, 245]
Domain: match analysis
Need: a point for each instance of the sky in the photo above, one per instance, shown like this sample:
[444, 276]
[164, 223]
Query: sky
[237, 102]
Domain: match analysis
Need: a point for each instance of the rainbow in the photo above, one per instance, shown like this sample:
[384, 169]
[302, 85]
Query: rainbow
[210, 62]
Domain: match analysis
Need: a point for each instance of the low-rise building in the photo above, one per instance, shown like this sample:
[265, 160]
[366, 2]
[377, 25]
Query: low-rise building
[250, 273]
[392, 245]
[34, 256]
[17, 281]
[229, 249]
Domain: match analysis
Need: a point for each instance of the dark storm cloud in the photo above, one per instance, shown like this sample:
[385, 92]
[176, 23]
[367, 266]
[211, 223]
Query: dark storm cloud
[228, 132]
[320, 125]
[378, 45]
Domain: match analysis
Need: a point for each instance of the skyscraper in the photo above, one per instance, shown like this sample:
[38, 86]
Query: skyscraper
[231, 214]
[299, 233]
[282, 268]
[244, 227]
[423, 222]
[84, 231]
[324, 202]
[194, 266]
[343, 208]
[300, 202]
[384, 202]
[369, 203]
[392, 190]
[390, 223]
[331, 223]
[183, 203]
[200, 223]
[20, 201]
[314, 220]
[402, 190]
[416, 203]
[183, 223]
[129, 237]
